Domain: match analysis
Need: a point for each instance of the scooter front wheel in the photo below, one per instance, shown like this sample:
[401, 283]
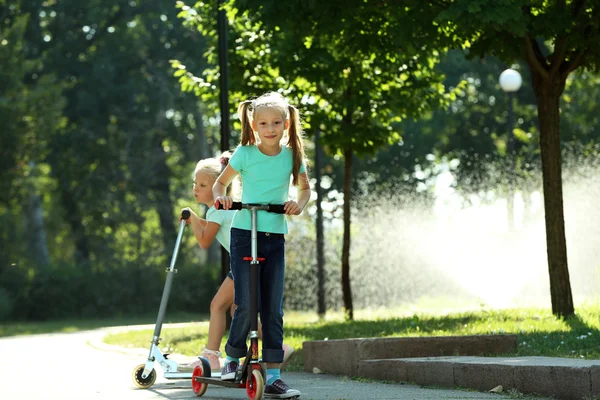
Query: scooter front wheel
[203, 370]
[255, 386]
[139, 381]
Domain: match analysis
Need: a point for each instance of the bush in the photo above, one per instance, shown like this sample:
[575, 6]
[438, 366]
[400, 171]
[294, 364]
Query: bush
[63, 291]
[6, 305]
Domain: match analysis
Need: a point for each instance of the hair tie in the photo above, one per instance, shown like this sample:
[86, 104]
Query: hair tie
[224, 161]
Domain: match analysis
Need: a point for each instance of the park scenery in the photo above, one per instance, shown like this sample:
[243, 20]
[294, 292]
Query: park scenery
[452, 149]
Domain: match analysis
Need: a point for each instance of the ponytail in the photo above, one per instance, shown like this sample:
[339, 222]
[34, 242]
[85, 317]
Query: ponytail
[234, 187]
[224, 159]
[295, 142]
[248, 136]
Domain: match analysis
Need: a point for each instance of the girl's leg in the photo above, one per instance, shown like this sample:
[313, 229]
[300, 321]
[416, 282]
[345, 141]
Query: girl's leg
[287, 349]
[219, 305]
[271, 298]
[272, 318]
[236, 346]
[260, 330]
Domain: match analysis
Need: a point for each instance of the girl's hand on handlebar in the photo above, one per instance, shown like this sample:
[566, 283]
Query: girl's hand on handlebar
[292, 208]
[192, 214]
[226, 201]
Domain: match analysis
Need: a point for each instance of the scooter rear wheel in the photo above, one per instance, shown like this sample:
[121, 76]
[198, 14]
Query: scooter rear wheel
[255, 386]
[143, 383]
[203, 370]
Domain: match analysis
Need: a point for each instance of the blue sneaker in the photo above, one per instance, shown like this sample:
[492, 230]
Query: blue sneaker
[228, 372]
[280, 390]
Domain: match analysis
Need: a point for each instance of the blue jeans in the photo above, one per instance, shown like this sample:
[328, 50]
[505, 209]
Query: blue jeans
[271, 273]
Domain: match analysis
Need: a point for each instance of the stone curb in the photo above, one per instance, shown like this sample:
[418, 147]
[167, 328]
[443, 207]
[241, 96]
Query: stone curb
[341, 357]
[560, 378]
[455, 361]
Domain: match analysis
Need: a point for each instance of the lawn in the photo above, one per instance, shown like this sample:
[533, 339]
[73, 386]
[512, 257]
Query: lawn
[75, 325]
[539, 332]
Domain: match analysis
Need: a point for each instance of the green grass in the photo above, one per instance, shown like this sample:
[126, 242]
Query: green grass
[539, 332]
[74, 325]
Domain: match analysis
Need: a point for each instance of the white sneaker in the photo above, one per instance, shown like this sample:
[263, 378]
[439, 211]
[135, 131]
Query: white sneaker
[211, 355]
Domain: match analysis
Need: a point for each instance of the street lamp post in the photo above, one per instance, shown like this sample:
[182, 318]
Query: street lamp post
[224, 108]
[510, 82]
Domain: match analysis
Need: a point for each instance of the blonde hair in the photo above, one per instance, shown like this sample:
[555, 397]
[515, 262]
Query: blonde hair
[274, 100]
[213, 167]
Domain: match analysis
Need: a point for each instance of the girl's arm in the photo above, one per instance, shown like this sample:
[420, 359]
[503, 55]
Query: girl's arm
[295, 207]
[204, 231]
[205, 235]
[220, 187]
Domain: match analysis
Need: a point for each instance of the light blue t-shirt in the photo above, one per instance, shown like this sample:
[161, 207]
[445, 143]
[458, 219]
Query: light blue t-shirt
[265, 180]
[224, 219]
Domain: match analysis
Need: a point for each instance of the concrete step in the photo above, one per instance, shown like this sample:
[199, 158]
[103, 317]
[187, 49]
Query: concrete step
[341, 357]
[560, 378]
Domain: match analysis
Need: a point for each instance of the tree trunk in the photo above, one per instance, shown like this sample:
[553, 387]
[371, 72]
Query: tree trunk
[37, 232]
[34, 219]
[73, 216]
[321, 308]
[160, 186]
[548, 90]
[346, 289]
[201, 148]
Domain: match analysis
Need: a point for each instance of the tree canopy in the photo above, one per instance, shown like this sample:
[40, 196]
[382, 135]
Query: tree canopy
[99, 139]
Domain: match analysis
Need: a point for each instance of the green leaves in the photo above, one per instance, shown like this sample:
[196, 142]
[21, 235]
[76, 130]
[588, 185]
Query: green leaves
[362, 63]
[91, 101]
[30, 108]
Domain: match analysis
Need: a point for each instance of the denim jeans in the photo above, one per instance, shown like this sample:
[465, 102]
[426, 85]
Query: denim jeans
[271, 274]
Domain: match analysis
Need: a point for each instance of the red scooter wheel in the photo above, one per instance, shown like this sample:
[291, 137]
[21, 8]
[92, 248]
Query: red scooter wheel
[203, 370]
[255, 385]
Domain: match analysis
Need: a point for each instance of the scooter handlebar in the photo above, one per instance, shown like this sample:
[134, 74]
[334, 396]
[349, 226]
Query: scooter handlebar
[236, 205]
[185, 214]
[276, 208]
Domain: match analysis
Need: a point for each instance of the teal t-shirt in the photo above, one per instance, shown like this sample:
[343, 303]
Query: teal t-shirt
[224, 219]
[265, 180]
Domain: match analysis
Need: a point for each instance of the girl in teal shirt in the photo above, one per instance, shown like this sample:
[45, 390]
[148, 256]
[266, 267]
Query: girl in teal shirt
[217, 225]
[271, 154]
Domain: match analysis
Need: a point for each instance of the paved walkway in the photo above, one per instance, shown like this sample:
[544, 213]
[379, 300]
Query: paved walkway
[79, 366]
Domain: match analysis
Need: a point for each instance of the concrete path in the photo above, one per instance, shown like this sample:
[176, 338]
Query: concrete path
[78, 366]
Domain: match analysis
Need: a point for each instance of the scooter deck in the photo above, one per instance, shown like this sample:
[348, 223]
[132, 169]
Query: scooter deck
[219, 382]
[187, 375]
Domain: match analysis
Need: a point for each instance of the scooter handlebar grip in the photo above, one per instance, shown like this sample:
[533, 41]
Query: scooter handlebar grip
[236, 205]
[276, 208]
[185, 214]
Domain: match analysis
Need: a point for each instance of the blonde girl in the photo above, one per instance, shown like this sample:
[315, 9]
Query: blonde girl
[269, 157]
[217, 225]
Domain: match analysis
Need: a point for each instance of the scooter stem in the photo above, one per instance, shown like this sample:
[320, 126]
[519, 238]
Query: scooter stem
[254, 276]
[254, 234]
[169, 282]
